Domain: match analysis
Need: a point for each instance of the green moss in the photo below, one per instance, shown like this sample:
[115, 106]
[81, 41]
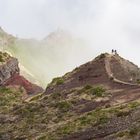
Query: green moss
[122, 113]
[65, 130]
[138, 81]
[57, 81]
[50, 117]
[122, 134]
[134, 105]
[36, 97]
[1, 59]
[4, 57]
[133, 131]
[9, 96]
[97, 91]
[5, 90]
[103, 119]
[56, 96]
[84, 121]
[63, 105]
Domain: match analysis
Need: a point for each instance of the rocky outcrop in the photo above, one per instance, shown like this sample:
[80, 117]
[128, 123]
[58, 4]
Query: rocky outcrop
[8, 69]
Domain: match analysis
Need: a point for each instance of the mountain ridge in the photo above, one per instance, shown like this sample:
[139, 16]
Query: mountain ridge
[103, 62]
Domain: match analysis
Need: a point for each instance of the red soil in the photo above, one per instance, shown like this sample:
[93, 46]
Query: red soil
[21, 81]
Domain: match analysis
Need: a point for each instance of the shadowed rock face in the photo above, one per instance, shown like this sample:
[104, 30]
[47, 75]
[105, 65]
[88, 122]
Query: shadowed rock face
[8, 69]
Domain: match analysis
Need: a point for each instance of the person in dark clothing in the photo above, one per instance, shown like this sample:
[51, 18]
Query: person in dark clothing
[112, 51]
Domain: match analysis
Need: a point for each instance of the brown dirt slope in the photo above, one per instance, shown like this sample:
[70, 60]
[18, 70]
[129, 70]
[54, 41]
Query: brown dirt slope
[108, 70]
[124, 70]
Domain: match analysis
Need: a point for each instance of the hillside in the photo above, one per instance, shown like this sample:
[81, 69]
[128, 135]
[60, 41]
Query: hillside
[99, 71]
[92, 102]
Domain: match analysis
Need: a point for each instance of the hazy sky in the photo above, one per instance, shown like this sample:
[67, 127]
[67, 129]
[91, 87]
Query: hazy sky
[106, 24]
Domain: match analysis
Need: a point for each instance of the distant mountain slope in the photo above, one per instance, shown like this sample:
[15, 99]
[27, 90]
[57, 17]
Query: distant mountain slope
[5, 39]
[56, 54]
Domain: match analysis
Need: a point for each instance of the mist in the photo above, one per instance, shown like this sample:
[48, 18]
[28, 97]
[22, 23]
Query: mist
[103, 24]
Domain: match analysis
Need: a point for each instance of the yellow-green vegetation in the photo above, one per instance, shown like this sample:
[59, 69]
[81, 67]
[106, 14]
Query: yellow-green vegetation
[86, 120]
[57, 81]
[138, 81]
[97, 91]
[95, 118]
[4, 57]
[9, 96]
[53, 116]
[134, 131]
[35, 97]
[63, 105]
[129, 133]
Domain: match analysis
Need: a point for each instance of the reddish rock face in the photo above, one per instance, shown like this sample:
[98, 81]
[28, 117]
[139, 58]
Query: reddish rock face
[18, 80]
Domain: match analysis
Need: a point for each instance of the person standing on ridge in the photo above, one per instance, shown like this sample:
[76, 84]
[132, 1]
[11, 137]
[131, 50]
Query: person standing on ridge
[115, 51]
[112, 51]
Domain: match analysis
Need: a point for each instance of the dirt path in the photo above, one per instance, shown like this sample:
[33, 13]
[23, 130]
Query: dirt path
[110, 74]
[126, 95]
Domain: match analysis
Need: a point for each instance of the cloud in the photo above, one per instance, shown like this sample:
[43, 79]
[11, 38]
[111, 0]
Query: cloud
[106, 24]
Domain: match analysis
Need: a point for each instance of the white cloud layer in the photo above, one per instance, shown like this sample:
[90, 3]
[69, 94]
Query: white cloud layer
[106, 24]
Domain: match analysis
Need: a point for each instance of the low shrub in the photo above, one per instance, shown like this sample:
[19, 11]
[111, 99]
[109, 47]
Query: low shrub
[133, 131]
[58, 81]
[122, 113]
[87, 87]
[102, 55]
[63, 106]
[97, 91]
